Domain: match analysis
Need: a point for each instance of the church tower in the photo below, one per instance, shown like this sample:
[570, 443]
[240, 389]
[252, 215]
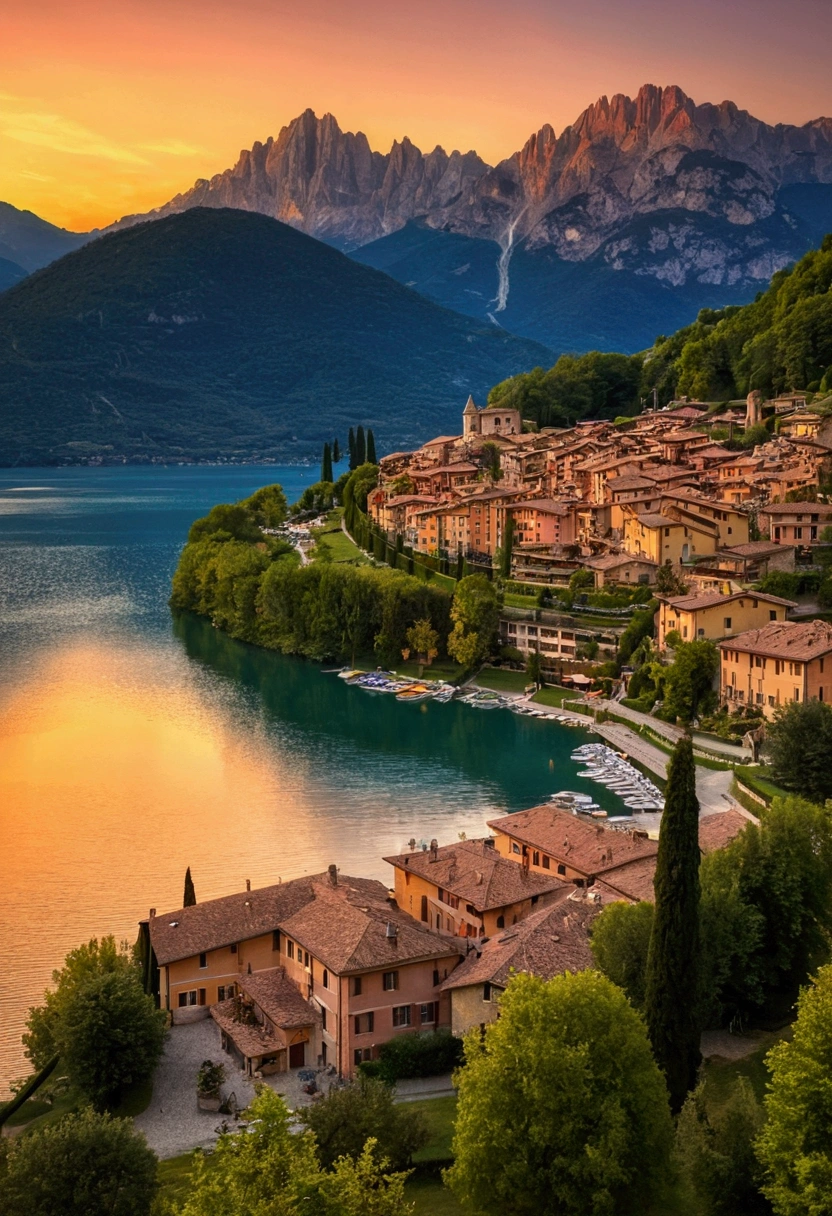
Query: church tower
[470, 419]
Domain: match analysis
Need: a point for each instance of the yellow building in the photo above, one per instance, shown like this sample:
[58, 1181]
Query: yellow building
[662, 539]
[714, 616]
[782, 662]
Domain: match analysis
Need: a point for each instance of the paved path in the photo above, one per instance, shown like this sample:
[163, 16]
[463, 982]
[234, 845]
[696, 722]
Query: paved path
[731, 751]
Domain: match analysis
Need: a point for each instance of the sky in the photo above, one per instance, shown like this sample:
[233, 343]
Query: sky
[109, 108]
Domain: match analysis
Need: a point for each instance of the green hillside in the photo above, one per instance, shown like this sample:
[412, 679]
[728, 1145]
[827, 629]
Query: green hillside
[222, 333]
[781, 341]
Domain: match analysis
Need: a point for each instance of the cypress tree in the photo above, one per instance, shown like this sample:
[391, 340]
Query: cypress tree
[671, 984]
[351, 442]
[189, 898]
[326, 465]
[336, 451]
[460, 565]
[360, 446]
[371, 448]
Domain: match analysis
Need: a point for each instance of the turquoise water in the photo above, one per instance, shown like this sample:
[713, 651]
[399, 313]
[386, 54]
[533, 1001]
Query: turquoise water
[133, 745]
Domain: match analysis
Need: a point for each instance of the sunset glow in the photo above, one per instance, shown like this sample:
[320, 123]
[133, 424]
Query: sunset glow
[111, 109]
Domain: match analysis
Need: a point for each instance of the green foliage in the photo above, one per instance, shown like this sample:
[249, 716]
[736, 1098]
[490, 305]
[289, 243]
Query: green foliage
[475, 614]
[795, 1146]
[220, 332]
[189, 895]
[415, 1055]
[642, 625]
[265, 1170]
[594, 385]
[360, 447]
[363, 480]
[715, 1147]
[668, 581]
[561, 1106]
[86, 1164]
[671, 987]
[534, 666]
[347, 1118]
[799, 744]
[98, 1019]
[732, 930]
[507, 546]
[326, 464]
[371, 448]
[423, 642]
[226, 521]
[210, 1077]
[267, 506]
[620, 943]
[318, 497]
[689, 684]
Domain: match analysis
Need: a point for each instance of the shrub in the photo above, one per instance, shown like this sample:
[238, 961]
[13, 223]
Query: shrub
[415, 1055]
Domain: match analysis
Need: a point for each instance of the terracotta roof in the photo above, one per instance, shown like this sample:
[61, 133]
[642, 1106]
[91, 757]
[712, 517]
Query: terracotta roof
[253, 1041]
[796, 508]
[610, 561]
[279, 998]
[219, 922]
[588, 847]
[475, 871]
[712, 599]
[633, 880]
[441, 439]
[346, 927]
[754, 548]
[652, 519]
[458, 466]
[546, 943]
[718, 830]
[546, 505]
[785, 640]
[629, 483]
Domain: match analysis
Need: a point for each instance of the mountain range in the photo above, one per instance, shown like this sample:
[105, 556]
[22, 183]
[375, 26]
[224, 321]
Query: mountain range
[224, 334]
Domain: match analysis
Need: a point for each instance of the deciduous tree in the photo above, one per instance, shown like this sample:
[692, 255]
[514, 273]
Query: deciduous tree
[347, 1118]
[475, 614]
[326, 464]
[620, 942]
[689, 686]
[423, 641]
[799, 744]
[715, 1146]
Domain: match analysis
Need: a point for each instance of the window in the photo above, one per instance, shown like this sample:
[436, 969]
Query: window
[561, 868]
[501, 922]
[772, 614]
[233, 947]
[365, 1022]
[325, 980]
[727, 622]
[798, 534]
[515, 848]
[290, 949]
[545, 861]
[225, 992]
[187, 998]
[276, 940]
[203, 994]
[323, 1053]
[390, 981]
[435, 977]
[486, 991]
[306, 958]
[356, 985]
[203, 960]
[401, 1015]
[356, 1055]
[427, 1013]
[797, 694]
[535, 858]
[323, 1017]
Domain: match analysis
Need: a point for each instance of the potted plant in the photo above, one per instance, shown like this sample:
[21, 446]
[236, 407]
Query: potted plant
[209, 1080]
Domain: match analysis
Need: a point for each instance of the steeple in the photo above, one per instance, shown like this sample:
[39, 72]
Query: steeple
[470, 418]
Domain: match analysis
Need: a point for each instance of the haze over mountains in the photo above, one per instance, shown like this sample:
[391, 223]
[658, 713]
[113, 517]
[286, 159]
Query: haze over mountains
[218, 333]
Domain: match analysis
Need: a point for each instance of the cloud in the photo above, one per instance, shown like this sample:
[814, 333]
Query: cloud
[35, 177]
[172, 147]
[64, 135]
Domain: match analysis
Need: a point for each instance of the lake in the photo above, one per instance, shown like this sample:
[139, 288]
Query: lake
[133, 745]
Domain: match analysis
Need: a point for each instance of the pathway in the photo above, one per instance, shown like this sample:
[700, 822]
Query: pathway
[731, 751]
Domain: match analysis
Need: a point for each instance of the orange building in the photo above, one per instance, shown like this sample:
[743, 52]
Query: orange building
[782, 662]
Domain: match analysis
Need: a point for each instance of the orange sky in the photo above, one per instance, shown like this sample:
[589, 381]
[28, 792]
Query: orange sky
[109, 108]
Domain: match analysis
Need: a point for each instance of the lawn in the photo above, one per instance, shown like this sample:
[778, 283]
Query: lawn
[500, 679]
[759, 780]
[431, 1198]
[440, 669]
[336, 543]
[440, 1114]
[554, 696]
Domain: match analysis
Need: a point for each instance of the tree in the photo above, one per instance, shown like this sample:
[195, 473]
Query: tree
[671, 989]
[715, 1147]
[347, 1118]
[689, 686]
[534, 667]
[354, 462]
[642, 625]
[86, 1164]
[795, 1145]
[620, 943]
[668, 581]
[326, 465]
[799, 742]
[561, 1106]
[336, 451]
[266, 1170]
[423, 640]
[267, 507]
[360, 447]
[732, 931]
[371, 448]
[226, 521]
[475, 613]
[490, 455]
[107, 1031]
[189, 897]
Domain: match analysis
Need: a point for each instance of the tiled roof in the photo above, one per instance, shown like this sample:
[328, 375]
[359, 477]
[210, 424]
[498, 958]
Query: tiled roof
[475, 871]
[219, 922]
[546, 505]
[546, 943]
[718, 830]
[585, 846]
[346, 927]
[785, 640]
[253, 1041]
[611, 561]
[712, 599]
[754, 548]
[652, 519]
[279, 998]
[633, 880]
[796, 508]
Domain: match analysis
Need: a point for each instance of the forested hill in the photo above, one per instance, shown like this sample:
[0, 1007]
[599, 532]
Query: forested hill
[781, 341]
[221, 333]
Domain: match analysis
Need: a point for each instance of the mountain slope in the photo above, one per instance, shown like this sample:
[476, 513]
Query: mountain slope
[31, 242]
[222, 333]
[10, 273]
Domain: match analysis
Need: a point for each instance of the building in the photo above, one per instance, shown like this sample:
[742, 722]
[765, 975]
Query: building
[267, 1026]
[613, 568]
[663, 539]
[751, 562]
[796, 523]
[784, 661]
[468, 889]
[490, 422]
[547, 943]
[369, 971]
[715, 616]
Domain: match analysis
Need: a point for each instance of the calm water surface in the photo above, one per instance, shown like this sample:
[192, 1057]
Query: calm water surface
[133, 745]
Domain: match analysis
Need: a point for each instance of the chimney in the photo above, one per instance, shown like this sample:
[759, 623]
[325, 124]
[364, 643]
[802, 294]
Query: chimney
[152, 913]
[248, 884]
[392, 931]
[332, 871]
[434, 850]
[412, 843]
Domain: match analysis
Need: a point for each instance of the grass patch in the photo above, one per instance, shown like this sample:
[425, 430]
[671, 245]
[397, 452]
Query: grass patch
[333, 540]
[135, 1100]
[175, 1176]
[440, 669]
[431, 1197]
[440, 1115]
[37, 1113]
[501, 679]
[758, 779]
[512, 600]
[554, 696]
[721, 1075]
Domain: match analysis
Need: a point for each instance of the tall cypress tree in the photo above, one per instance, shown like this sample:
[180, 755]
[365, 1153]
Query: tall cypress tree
[671, 987]
[371, 448]
[189, 898]
[351, 441]
[360, 446]
[336, 451]
[326, 464]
